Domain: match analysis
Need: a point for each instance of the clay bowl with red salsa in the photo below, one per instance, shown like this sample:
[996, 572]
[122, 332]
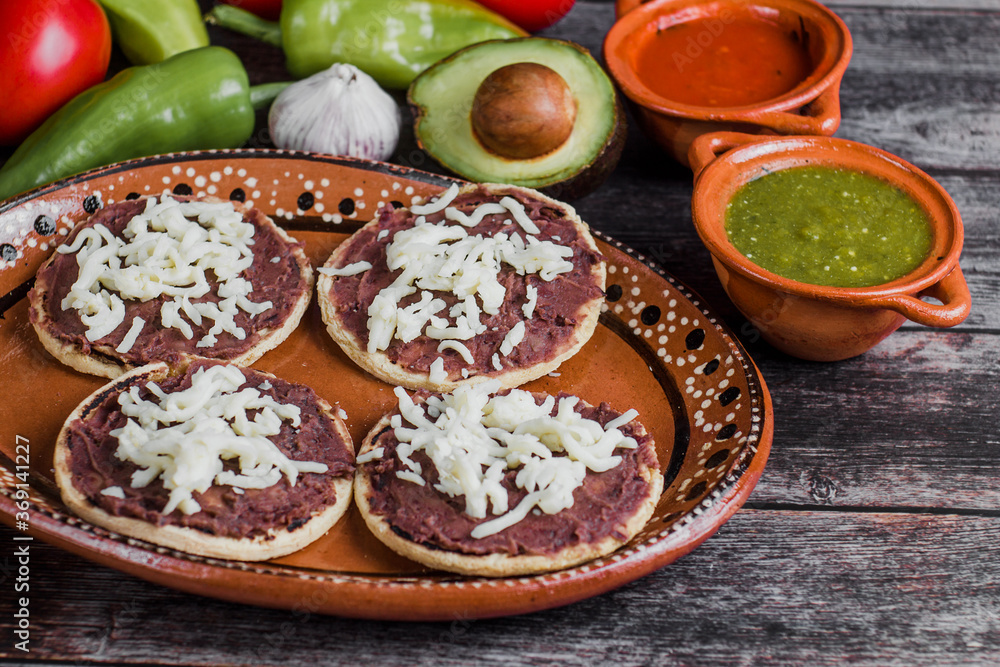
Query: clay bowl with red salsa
[844, 317]
[691, 67]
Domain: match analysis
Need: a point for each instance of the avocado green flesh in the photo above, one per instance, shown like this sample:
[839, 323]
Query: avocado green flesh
[445, 92]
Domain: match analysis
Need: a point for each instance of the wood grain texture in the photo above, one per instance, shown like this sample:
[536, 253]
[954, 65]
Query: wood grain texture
[904, 425]
[773, 587]
[871, 538]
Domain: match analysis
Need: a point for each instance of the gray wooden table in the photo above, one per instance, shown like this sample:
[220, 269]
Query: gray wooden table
[873, 536]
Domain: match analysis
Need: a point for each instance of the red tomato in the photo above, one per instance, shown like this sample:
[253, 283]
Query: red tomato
[51, 50]
[266, 9]
[532, 15]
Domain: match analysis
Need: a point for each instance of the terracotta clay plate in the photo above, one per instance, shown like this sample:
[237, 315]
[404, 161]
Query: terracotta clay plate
[657, 349]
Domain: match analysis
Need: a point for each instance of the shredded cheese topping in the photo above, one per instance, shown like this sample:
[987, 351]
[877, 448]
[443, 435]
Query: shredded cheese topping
[172, 249]
[133, 333]
[349, 270]
[437, 258]
[474, 437]
[185, 437]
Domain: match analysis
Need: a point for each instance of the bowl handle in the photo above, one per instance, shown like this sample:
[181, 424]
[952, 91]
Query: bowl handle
[706, 148]
[953, 293]
[820, 117]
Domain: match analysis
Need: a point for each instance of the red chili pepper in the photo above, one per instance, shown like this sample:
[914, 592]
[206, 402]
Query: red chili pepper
[51, 50]
[267, 9]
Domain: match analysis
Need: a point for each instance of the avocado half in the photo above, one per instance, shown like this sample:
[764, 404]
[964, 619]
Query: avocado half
[441, 99]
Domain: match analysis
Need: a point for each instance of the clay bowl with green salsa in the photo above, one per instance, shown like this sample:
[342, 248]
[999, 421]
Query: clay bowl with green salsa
[827, 245]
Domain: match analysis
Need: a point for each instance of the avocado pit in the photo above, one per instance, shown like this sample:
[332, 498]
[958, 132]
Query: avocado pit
[523, 110]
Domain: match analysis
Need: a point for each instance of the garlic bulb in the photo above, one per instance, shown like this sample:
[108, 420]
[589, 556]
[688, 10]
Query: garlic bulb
[339, 111]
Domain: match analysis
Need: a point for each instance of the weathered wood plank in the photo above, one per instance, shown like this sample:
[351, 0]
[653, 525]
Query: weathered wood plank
[771, 588]
[906, 424]
[937, 121]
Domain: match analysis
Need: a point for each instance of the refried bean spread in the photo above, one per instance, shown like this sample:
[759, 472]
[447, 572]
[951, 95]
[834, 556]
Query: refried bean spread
[224, 511]
[274, 275]
[601, 505]
[548, 330]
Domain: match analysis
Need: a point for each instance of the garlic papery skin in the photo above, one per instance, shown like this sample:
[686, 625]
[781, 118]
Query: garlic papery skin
[339, 111]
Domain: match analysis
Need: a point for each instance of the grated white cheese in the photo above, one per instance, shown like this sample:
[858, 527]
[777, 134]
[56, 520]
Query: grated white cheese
[129, 340]
[114, 492]
[439, 203]
[512, 339]
[371, 455]
[437, 372]
[473, 438]
[529, 306]
[462, 350]
[443, 258]
[172, 249]
[349, 270]
[185, 437]
[409, 476]
[477, 215]
[620, 421]
[516, 209]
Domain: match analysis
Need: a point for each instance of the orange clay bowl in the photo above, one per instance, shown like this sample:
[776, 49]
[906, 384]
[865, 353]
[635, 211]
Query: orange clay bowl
[817, 322]
[811, 107]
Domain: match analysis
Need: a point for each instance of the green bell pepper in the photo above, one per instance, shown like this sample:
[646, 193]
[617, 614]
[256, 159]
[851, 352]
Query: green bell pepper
[391, 40]
[198, 99]
[150, 31]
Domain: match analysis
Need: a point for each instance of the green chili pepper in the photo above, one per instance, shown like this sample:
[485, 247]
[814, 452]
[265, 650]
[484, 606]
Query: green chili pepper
[150, 31]
[198, 99]
[391, 40]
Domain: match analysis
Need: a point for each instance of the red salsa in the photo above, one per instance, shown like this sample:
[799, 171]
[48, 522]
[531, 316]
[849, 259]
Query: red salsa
[725, 61]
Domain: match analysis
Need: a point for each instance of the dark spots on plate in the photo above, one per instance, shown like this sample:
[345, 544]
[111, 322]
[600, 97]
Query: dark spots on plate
[650, 315]
[92, 204]
[238, 195]
[305, 201]
[729, 395]
[697, 490]
[717, 459]
[726, 432]
[182, 189]
[346, 206]
[614, 292]
[45, 225]
[695, 339]
[8, 253]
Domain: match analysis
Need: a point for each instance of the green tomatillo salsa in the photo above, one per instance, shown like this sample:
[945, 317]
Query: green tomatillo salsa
[828, 226]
